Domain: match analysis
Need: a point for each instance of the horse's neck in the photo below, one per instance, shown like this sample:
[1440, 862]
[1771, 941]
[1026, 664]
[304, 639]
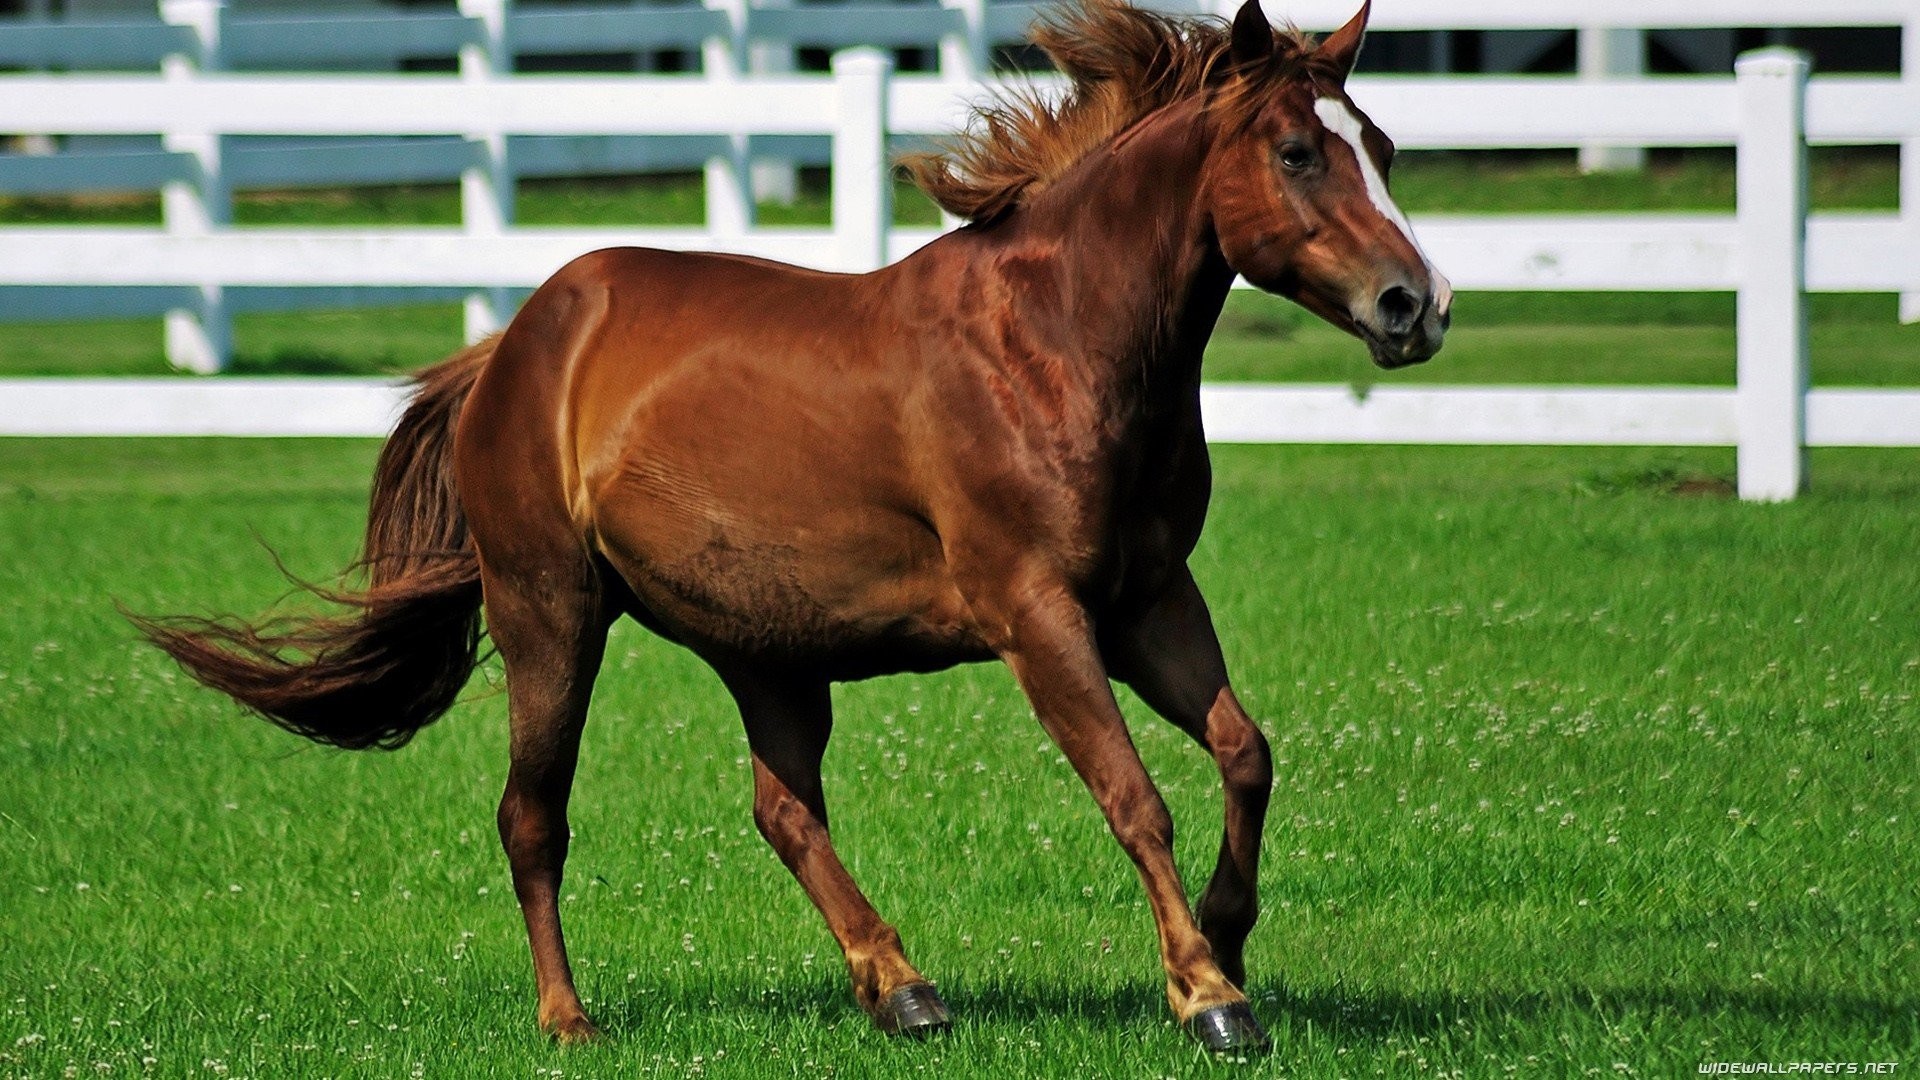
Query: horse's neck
[1143, 279]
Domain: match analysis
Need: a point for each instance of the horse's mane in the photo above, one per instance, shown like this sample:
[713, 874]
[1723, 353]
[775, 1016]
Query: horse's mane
[1121, 63]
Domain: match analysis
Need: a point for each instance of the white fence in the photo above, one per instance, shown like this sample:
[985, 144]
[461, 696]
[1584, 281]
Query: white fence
[734, 39]
[1771, 252]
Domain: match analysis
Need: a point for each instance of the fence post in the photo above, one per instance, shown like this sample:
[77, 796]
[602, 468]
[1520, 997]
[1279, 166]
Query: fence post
[1910, 157]
[862, 176]
[33, 142]
[1611, 53]
[728, 173]
[1771, 334]
[966, 55]
[198, 338]
[775, 180]
[487, 183]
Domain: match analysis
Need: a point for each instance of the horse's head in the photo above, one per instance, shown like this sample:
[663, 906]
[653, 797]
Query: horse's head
[1297, 186]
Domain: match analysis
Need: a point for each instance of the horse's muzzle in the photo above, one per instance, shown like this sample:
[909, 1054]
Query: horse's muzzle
[1405, 327]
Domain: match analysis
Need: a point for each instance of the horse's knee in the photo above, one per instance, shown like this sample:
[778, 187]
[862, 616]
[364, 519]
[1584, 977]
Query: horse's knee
[773, 814]
[532, 838]
[786, 822]
[507, 818]
[1246, 764]
[1141, 821]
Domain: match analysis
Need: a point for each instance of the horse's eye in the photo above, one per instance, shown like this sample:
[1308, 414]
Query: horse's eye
[1296, 158]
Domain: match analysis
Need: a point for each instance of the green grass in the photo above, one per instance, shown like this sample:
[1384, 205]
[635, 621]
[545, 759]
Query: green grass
[1507, 182]
[353, 341]
[1577, 776]
[1577, 338]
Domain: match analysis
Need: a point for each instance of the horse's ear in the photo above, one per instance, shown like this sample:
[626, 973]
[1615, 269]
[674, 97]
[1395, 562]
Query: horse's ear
[1252, 35]
[1342, 48]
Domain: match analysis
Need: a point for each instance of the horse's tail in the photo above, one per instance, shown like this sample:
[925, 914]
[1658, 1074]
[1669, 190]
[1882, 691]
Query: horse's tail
[393, 664]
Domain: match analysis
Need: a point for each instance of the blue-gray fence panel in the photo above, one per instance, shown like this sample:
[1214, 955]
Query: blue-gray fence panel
[855, 24]
[66, 303]
[341, 298]
[270, 162]
[607, 155]
[260, 42]
[1009, 22]
[61, 174]
[53, 303]
[613, 29]
[90, 45]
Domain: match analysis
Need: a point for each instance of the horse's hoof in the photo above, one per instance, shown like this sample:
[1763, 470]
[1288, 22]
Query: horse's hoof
[1229, 1029]
[914, 1012]
[574, 1031]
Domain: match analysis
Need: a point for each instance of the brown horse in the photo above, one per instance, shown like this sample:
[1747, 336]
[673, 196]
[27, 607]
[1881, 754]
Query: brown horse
[990, 449]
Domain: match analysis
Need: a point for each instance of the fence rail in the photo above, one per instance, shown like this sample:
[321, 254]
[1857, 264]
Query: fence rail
[323, 406]
[1770, 252]
[1846, 252]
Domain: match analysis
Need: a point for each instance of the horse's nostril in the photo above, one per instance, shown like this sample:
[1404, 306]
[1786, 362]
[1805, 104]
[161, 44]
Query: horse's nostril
[1399, 309]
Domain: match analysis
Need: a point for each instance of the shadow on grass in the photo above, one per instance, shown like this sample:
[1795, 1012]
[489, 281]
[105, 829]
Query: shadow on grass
[1665, 479]
[1378, 1016]
[311, 361]
[1362, 1017]
[818, 1003]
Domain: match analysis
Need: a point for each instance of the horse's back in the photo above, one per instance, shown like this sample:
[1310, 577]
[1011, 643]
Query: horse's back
[601, 350]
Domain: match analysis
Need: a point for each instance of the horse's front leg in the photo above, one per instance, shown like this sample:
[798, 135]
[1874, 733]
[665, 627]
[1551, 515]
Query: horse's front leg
[1051, 648]
[1170, 655]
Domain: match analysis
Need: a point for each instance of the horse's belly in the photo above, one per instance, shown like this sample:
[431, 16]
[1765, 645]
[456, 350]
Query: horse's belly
[852, 592]
[765, 603]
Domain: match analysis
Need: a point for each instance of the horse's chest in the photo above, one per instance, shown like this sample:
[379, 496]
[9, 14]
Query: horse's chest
[1149, 542]
[1140, 529]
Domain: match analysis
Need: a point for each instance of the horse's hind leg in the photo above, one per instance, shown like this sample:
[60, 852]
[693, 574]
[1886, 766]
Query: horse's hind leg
[1171, 657]
[550, 627]
[788, 722]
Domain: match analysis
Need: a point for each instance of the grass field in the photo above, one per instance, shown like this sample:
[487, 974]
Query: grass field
[1498, 338]
[1577, 777]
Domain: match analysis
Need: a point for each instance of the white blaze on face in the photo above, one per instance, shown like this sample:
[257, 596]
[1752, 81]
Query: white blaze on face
[1342, 123]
